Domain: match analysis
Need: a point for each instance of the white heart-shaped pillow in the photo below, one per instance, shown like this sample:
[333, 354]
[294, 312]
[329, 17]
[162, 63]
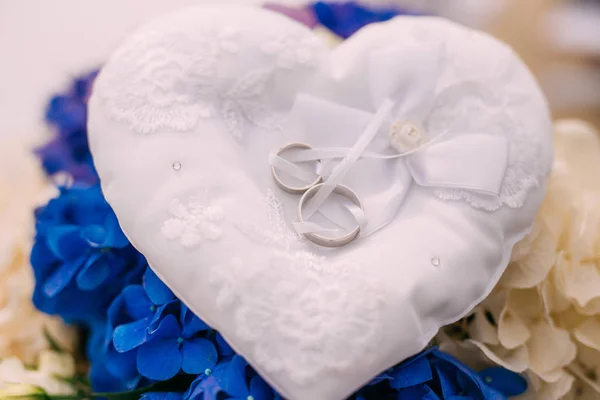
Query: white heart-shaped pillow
[185, 118]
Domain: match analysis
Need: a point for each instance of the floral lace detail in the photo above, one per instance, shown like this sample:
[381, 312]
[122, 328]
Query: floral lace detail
[173, 79]
[242, 102]
[290, 51]
[311, 320]
[193, 223]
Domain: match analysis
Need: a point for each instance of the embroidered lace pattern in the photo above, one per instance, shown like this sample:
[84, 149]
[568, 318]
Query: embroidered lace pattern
[193, 223]
[310, 320]
[173, 79]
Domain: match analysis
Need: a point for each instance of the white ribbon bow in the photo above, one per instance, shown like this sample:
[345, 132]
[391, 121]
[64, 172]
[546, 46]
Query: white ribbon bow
[402, 87]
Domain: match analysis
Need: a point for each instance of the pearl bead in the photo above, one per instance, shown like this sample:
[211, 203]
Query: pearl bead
[176, 166]
[435, 262]
[405, 136]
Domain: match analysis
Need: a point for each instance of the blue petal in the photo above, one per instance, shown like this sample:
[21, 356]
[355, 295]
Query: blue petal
[419, 392]
[41, 256]
[97, 344]
[94, 272]
[168, 328]
[156, 290]
[66, 243]
[191, 323]
[231, 376]
[162, 396]
[468, 380]
[122, 365]
[160, 313]
[103, 380]
[447, 378]
[506, 382]
[137, 303]
[411, 373]
[129, 336]
[159, 359]
[197, 388]
[346, 18]
[116, 314]
[94, 235]
[62, 277]
[259, 389]
[207, 389]
[198, 355]
[115, 236]
[225, 349]
[380, 378]
[194, 388]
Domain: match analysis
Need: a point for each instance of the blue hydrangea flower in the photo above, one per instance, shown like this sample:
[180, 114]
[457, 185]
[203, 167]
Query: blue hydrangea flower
[145, 304]
[346, 18]
[81, 259]
[434, 375]
[151, 335]
[232, 377]
[69, 151]
[176, 346]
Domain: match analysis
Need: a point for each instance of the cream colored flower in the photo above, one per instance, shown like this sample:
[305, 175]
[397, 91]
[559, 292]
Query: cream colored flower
[22, 188]
[53, 368]
[532, 258]
[543, 318]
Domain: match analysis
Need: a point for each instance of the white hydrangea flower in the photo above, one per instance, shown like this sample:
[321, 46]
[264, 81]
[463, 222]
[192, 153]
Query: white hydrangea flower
[542, 318]
[22, 188]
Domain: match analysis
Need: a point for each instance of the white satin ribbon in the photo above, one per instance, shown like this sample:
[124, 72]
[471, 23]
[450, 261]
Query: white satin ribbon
[402, 88]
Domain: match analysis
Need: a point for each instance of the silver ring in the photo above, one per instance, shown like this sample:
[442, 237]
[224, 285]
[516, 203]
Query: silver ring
[292, 189]
[324, 240]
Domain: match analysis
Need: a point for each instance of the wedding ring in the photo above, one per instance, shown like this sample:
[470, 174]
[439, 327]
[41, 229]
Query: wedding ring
[279, 182]
[326, 241]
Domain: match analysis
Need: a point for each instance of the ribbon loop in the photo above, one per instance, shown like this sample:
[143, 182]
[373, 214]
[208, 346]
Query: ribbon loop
[474, 162]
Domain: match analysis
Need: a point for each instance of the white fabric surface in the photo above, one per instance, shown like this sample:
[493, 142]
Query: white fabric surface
[211, 89]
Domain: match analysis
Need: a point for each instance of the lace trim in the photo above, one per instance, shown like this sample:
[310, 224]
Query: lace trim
[173, 79]
[310, 321]
[528, 159]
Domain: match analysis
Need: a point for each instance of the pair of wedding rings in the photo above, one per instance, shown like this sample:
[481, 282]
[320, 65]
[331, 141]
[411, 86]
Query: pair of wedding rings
[308, 191]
